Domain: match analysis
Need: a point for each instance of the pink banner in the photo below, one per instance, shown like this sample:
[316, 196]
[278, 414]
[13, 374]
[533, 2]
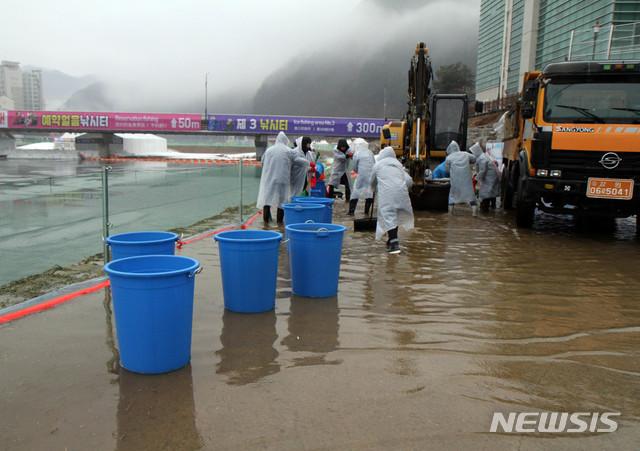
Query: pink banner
[57, 120]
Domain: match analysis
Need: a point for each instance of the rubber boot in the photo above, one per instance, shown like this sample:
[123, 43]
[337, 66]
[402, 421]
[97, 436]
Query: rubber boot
[280, 215]
[394, 246]
[393, 243]
[368, 203]
[352, 207]
[451, 209]
[266, 213]
[474, 211]
[330, 195]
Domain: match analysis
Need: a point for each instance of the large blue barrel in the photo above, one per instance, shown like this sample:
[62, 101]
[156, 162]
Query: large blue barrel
[327, 202]
[320, 190]
[153, 305]
[135, 244]
[321, 245]
[303, 212]
[249, 267]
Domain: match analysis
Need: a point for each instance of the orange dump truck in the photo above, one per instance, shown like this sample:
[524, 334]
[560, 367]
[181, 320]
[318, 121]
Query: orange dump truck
[572, 143]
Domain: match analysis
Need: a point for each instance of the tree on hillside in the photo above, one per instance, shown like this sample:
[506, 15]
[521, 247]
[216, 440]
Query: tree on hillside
[457, 78]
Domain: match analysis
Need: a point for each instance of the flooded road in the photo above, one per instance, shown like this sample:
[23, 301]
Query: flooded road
[417, 351]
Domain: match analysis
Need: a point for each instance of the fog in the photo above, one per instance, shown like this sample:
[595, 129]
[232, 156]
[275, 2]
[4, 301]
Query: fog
[167, 56]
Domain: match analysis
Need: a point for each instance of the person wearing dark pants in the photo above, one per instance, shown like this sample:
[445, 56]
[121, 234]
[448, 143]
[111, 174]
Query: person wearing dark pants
[266, 213]
[394, 205]
[340, 170]
[363, 161]
[275, 179]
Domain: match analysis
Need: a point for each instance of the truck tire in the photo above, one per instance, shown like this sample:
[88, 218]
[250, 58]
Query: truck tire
[506, 189]
[525, 209]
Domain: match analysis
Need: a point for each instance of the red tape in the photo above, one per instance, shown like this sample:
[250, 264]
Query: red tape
[53, 302]
[67, 297]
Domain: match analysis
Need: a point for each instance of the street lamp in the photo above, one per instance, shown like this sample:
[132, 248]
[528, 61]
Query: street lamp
[596, 29]
[205, 96]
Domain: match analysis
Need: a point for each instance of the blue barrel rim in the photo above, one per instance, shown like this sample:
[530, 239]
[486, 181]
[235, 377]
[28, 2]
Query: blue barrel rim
[314, 227]
[323, 200]
[303, 206]
[113, 239]
[195, 264]
[223, 236]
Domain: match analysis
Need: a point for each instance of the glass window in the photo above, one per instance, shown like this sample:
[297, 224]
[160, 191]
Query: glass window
[599, 100]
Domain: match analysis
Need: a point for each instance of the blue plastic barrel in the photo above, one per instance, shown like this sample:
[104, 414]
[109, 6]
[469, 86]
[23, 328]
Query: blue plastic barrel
[318, 193]
[249, 267]
[322, 187]
[153, 305]
[135, 244]
[303, 212]
[327, 202]
[319, 245]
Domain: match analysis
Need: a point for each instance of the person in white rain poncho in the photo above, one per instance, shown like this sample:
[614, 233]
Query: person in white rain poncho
[275, 181]
[340, 169]
[299, 173]
[363, 161]
[458, 164]
[392, 183]
[488, 176]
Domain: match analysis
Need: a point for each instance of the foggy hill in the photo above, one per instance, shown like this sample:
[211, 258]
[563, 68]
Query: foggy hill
[58, 86]
[350, 81]
[347, 77]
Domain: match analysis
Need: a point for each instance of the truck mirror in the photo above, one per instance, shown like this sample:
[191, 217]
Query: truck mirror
[530, 92]
[386, 134]
[479, 106]
[527, 110]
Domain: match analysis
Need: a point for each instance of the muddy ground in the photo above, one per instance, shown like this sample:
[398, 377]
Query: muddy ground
[58, 276]
[91, 267]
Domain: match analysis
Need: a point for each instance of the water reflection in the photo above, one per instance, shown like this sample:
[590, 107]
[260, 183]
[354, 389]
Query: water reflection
[247, 354]
[313, 327]
[113, 363]
[157, 412]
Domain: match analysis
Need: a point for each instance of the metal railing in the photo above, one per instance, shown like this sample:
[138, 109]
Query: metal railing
[62, 220]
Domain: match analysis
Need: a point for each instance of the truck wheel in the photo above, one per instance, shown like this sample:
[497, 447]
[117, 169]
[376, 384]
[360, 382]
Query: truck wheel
[525, 209]
[506, 190]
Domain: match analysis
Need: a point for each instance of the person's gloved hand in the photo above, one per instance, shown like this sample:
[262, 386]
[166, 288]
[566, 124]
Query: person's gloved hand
[312, 167]
[350, 155]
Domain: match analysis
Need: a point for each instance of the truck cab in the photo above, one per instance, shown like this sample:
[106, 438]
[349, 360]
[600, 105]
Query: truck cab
[572, 144]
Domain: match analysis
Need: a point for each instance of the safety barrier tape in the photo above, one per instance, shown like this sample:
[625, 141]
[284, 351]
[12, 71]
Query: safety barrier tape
[116, 158]
[67, 297]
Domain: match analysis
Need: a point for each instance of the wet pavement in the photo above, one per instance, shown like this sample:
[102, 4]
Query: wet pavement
[417, 350]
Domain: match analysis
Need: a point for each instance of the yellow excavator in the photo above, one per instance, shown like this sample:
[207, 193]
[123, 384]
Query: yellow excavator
[421, 138]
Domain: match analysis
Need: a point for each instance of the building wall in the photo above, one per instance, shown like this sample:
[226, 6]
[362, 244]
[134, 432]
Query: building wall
[11, 82]
[490, 40]
[33, 97]
[556, 21]
[522, 35]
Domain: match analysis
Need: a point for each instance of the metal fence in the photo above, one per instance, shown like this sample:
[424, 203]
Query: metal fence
[604, 43]
[62, 219]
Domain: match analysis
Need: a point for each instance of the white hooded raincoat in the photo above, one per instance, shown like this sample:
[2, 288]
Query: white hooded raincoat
[392, 183]
[275, 181]
[458, 164]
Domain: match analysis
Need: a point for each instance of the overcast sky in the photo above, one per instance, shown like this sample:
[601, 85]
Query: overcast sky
[169, 44]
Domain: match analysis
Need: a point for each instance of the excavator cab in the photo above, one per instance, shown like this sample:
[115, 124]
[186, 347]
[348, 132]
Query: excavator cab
[450, 115]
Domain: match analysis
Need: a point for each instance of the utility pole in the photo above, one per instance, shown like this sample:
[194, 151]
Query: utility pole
[596, 29]
[206, 77]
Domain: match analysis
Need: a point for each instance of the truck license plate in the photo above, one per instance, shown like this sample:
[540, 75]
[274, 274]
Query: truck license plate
[610, 188]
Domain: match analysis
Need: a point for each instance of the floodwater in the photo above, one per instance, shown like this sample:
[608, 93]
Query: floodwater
[52, 210]
[416, 351]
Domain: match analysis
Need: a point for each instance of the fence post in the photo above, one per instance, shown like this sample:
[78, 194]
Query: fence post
[105, 212]
[240, 171]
